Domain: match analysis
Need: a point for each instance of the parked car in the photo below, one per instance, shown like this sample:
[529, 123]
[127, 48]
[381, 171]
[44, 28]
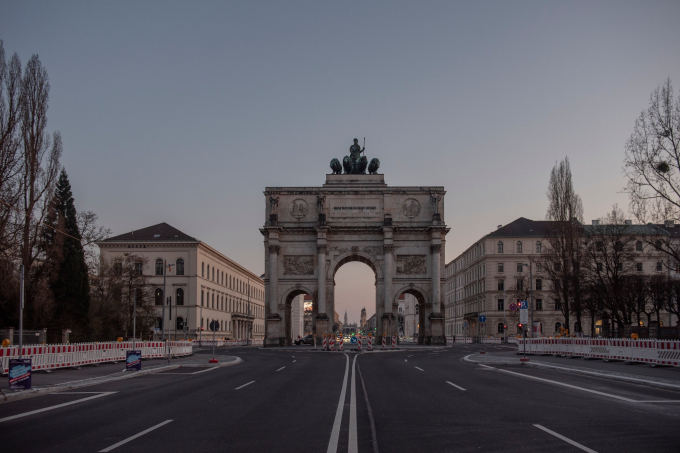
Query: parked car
[307, 339]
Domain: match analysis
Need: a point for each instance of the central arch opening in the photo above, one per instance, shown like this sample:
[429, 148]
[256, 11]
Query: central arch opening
[354, 297]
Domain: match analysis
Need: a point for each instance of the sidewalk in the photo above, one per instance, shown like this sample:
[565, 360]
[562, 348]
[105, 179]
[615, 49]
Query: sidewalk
[660, 377]
[70, 378]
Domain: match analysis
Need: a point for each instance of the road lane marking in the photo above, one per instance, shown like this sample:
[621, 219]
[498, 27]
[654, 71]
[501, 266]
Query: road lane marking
[405, 360]
[370, 413]
[293, 361]
[353, 445]
[124, 441]
[37, 411]
[418, 368]
[622, 398]
[410, 355]
[566, 439]
[335, 433]
[208, 369]
[456, 386]
[238, 388]
[281, 368]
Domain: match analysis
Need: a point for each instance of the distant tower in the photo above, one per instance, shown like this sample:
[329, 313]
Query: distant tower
[346, 317]
[362, 322]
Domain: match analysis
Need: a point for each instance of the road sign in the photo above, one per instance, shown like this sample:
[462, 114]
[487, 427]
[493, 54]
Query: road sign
[214, 326]
[465, 325]
[513, 306]
[524, 316]
[523, 305]
[353, 340]
[482, 318]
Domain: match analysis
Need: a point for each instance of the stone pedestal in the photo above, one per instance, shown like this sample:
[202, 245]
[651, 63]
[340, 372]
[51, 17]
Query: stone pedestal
[275, 331]
[437, 328]
[321, 327]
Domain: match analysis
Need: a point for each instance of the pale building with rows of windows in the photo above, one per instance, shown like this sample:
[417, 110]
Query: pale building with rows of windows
[481, 281]
[204, 284]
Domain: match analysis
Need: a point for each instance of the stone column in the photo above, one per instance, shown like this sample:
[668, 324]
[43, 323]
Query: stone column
[274, 279]
[436, 277]
[388, 269]
[321, 249]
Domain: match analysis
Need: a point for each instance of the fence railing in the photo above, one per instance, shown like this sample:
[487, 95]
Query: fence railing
[52, 356]
[222, 343]
[656, 352]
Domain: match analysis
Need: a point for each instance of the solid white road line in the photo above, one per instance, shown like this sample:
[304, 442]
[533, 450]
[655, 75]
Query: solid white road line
[134, 437]
[238, 388]
[281, 368]
[353, 444]
[208, 369]
[565, 385]
[566, 439]
[335, 433]
[456, 386]
[418, 368]
[37, 411]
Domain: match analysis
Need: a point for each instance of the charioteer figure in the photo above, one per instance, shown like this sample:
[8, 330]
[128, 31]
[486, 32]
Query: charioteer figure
[356, 163]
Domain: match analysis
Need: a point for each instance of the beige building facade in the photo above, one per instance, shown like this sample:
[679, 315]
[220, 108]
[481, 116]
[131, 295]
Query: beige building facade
[204, 284]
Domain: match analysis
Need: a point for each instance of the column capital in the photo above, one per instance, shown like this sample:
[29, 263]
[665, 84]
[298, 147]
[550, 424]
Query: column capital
[274, 249]
[388, 248]
[321, 248]
[435, 248]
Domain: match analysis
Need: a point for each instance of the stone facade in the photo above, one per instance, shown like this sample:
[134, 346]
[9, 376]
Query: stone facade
[310, 232]
[212, 286]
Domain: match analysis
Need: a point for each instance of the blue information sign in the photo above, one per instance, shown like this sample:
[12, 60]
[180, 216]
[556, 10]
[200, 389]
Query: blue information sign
[523, 305]
[353, 340]
[20, 374]
[465, 325]
[482, 318]
[133, 360]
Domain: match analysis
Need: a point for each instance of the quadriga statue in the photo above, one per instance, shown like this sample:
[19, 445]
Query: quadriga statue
[355, 163]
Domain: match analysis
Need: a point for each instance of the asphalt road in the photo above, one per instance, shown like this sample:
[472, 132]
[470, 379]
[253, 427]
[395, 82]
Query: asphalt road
[304, 401]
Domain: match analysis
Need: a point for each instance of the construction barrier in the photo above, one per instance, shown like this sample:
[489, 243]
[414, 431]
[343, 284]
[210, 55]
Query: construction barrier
[325, 342]
[370, 342]
[359, 341]
[654, 352]
[394, 341]
[53, 356]
[332, 343]
[341, 344]
[459, 340]
[227, 343]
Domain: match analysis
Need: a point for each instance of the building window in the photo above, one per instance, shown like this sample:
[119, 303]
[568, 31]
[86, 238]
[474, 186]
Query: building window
[539, 267]
[159, 266]
[520, 285]
[619, 267]
[213, 276]
[500, 328]
[118, 268]
[500, 246]
[501, 285]
[558, 267]
[201, 323]
[179, 268]
[558, 326]
[520, 267]
[213, 301]
[539, 304]
[638, 267]
[558, 304]
[139, 267]
[208, 277]
[158, 296]
[638, 246]
[657, 245]
[202, 269]
[539, 284]
[180, 324]
[600, 267]
[500, 268]
[159, 323]
[659, 266]
[222, 278]
[519, 246]
[539, 247]
[202, 295]
[501, 304]
[179, 296]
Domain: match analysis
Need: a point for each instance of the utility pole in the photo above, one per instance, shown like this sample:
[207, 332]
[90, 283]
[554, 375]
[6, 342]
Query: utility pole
[531, 296]
[21, 311]
[134, 318]
[505, 336]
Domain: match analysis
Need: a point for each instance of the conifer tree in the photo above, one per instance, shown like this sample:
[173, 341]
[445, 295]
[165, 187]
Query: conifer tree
[70, 284]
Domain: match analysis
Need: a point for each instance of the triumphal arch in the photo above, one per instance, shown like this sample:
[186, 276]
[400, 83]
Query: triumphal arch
[310, 232]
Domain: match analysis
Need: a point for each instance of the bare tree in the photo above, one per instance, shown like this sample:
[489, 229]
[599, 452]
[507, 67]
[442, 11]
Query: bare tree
[40, 165]
[91, 233]
[561, 259]
[652, 163]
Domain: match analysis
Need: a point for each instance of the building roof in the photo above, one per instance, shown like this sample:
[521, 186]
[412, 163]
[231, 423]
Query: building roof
[161, 232]
[524, 228]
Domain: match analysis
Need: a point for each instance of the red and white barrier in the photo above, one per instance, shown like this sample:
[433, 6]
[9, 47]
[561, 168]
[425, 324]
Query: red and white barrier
[657, 352]
[459, 340]
[341, 343]
[227, 343]
[49, 357]
[370, 342]
[332, 344]
[325, 342]
[394, 341]
[384, 340]
[359, 341]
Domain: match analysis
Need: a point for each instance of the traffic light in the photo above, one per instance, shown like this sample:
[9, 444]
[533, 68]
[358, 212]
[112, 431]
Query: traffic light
[505, 327]
[520, 326]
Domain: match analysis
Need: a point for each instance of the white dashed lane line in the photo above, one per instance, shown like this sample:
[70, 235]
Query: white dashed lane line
[124, 441]
[566, 439]
[456, 386]
[418, 368]
[281, 368]
[238, 388]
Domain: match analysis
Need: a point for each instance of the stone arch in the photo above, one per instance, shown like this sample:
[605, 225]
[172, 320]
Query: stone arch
[414, 290]
[286, 300]
[424, 308]
[350, 257]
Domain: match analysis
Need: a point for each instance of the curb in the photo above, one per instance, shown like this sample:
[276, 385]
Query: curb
[219, 365]
[603, 375]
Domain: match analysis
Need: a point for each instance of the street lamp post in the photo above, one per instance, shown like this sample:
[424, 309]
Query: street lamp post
[169, 302]
[531, 295]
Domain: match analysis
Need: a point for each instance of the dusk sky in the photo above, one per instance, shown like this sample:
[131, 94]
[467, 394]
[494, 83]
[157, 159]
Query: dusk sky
[184, 112]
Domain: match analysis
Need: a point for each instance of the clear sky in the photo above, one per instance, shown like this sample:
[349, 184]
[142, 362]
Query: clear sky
[183, 112]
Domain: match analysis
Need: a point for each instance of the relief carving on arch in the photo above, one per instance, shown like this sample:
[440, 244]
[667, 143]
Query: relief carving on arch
[411, 264]
[298, 265]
